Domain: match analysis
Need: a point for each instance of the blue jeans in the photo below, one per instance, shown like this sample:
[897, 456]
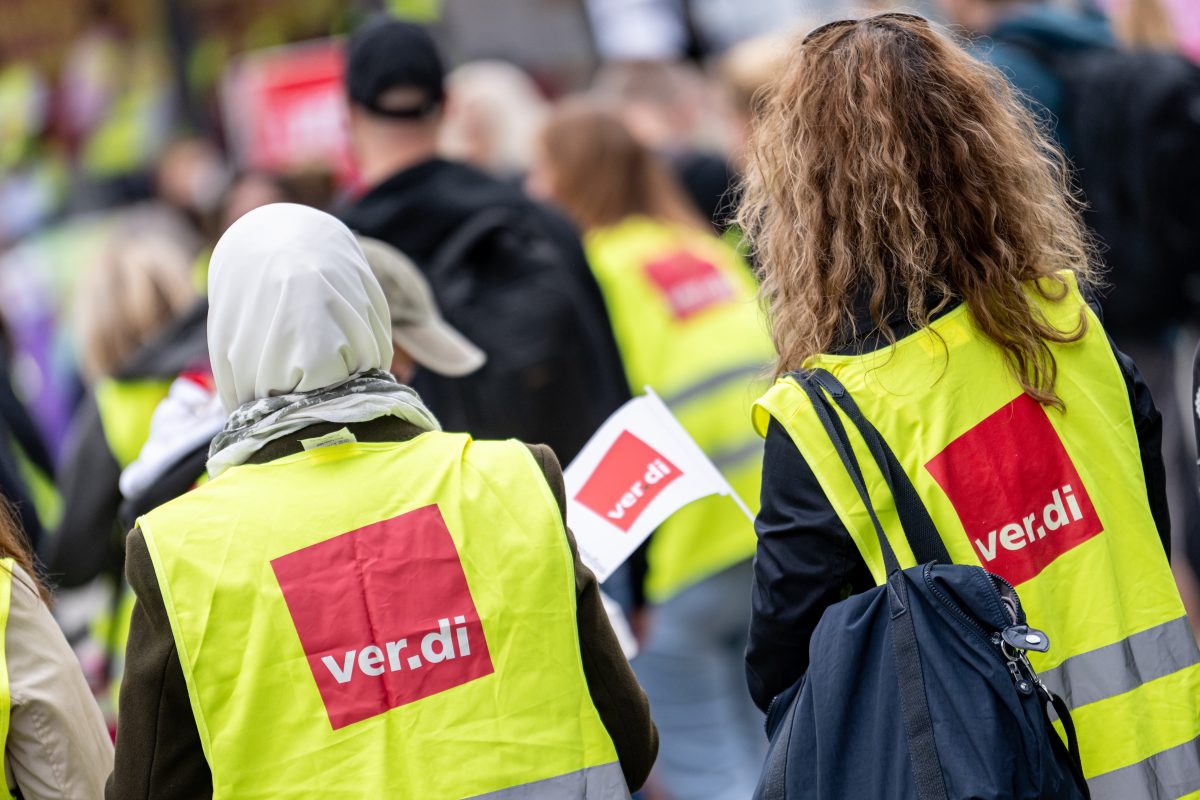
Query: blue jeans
[712, 742]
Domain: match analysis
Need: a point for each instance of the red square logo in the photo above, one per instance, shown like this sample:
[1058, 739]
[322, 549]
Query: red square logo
[627, 479]
[384, 615]
[1017, 494]
[689, 284]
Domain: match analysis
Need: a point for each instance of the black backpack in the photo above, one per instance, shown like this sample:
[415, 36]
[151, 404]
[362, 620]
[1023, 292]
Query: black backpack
[919, 688]
[1130, 123]
[500, 281]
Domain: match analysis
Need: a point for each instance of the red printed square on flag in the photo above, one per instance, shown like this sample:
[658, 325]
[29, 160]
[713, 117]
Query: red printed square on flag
[384, 615]
[629, 476]
[689, 284]
[1016, 492]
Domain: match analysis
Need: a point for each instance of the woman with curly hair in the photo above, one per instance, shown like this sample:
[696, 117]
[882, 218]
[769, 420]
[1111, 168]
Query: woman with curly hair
[920, 243]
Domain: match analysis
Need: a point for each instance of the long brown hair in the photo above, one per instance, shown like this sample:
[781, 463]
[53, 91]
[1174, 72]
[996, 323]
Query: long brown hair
[891, 168]
[602, 173]
[14, 545]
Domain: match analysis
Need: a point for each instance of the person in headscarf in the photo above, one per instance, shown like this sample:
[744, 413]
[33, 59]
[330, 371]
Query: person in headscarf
[357, 603]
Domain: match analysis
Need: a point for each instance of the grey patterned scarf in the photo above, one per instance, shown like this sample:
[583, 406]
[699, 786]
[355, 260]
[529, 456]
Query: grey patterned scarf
[366, 396]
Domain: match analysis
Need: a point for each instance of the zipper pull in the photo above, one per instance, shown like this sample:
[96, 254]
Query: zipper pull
[1023, 637]
[1023, 685]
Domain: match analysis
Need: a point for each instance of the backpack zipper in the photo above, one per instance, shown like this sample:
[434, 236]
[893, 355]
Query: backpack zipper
[1013, 660]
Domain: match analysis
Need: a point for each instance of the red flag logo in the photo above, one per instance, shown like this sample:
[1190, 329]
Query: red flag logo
[629, 476]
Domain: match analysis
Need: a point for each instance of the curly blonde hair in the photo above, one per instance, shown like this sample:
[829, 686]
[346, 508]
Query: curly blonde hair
[891, 170]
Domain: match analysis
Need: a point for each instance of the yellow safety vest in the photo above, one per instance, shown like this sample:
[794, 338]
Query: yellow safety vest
[6, 577]
[683, 311]
[126, 407]
[383, 620]
[1053, 501]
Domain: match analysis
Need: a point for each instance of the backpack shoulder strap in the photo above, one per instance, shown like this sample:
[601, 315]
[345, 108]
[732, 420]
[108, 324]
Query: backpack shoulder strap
[922, 535]
[906, 652]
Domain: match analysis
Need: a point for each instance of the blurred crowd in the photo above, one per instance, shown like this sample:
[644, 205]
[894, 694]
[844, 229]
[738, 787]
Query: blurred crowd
[121, 167]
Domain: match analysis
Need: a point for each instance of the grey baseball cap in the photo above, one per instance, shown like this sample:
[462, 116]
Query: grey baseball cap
[417, 324]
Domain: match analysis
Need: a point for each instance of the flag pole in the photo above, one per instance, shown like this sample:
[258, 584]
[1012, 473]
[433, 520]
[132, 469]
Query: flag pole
[741, 504]
[731, 494]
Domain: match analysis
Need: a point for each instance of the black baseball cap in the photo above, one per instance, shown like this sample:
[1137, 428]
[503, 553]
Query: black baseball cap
[385, 54]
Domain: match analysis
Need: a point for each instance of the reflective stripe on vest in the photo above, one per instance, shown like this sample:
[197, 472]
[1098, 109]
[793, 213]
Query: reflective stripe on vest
[1055, 502]
[686, 323]
[404, 612]
[606, 780]
[6, 577]
[126, 407]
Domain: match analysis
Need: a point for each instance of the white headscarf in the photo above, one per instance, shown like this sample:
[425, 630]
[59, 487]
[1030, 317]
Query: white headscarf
[294, 306]
[298, 332]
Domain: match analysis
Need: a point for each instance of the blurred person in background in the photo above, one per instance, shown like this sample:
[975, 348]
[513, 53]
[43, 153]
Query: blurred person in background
[744, 73]
[33, 173]
[55, 743]
[118, 108]
[919, 243]
[242, 193]
[683, 312]
[136, 328]
[493, 113]
[26, 468]
[670, 108]
[1145, 25]
[507, 273]
[1130, 123]
[191, 178]
[242, 582]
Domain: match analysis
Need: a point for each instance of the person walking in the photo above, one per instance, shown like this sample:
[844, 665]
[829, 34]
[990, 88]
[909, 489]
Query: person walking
[918, 241]
[357, 601]
[507, 273]
[55, 743]
[682, 305]
[1128, 118]
[139, 322]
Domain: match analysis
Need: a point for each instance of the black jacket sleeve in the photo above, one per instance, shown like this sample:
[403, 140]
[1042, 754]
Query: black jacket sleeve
[806, 562]
[619, 699]
[158, 745]
[87, 541]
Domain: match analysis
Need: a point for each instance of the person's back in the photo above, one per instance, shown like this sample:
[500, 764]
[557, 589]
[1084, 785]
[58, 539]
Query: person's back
[401, 602]
[682, 307]
[509, 274]
[421, 603]
[955, 319]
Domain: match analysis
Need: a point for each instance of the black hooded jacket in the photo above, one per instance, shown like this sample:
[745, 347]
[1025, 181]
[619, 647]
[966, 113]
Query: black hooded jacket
[522, 291]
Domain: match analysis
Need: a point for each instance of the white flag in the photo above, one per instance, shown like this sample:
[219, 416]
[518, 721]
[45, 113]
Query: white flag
[635, 472]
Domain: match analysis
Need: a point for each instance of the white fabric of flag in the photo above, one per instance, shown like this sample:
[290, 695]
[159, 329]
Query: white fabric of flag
[635, 472]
